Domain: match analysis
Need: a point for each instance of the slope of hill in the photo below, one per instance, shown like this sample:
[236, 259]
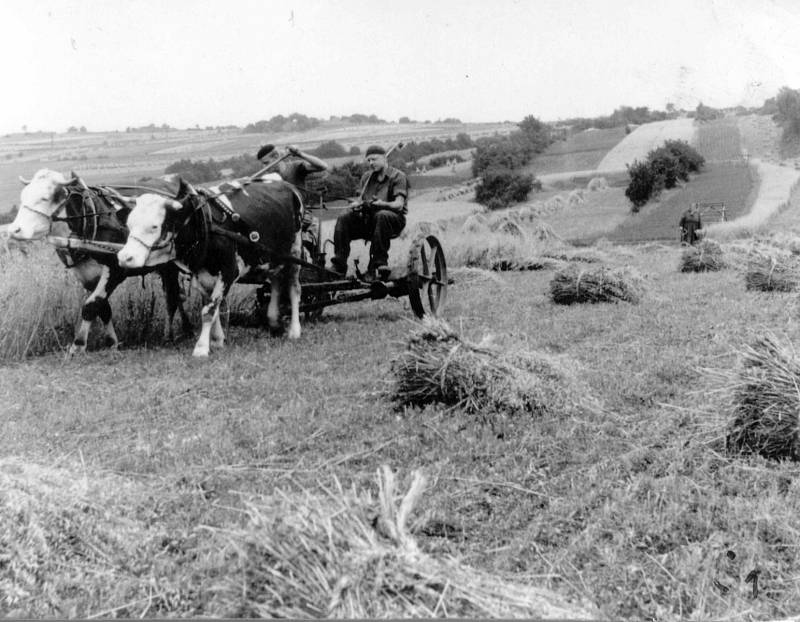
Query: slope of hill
[643, 139]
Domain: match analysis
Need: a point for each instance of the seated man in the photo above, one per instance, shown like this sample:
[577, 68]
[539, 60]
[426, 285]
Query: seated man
[379, 215]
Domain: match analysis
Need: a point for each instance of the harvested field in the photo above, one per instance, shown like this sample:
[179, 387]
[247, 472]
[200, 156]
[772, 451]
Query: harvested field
[582, 151]
[776, 184]
[731, 183]
[643, 139]
[718, 140]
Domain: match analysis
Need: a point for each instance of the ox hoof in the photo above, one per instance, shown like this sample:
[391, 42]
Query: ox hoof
[200, 354]
[294, 333]
[76, 349]
[276, 331]
[111, 344]
[217, 343]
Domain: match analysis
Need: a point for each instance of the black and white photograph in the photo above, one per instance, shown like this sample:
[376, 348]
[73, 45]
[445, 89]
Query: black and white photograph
[411, 310]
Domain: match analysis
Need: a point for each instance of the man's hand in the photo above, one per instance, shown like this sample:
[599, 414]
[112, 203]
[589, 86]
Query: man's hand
[293, 150]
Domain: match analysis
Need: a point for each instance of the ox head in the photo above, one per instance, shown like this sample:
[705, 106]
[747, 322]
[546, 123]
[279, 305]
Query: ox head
[40, 199]
[152, 229]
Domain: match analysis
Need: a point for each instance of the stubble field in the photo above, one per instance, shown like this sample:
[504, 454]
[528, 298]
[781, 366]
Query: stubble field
[630, 507]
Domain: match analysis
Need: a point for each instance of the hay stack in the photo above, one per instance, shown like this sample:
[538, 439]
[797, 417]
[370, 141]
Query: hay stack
[438, 366]
[525, 213]
[768, 273]
[476, 223]
[507, 226]
[706, 256]
[766, 402]
[576, 198]
[545, 233]
[573, 285]
[350, 554]
[597, 183]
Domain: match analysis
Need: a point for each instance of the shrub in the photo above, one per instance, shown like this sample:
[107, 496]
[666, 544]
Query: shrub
[502, 187]
[687, 155]
[354, 150]
[330, 149]
[640, 188]
[666, 168]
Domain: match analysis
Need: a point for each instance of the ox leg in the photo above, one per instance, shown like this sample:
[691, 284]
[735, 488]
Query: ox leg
[170, 281]
[210, 315]
[273, 308]
[94, 304]
[293, 285]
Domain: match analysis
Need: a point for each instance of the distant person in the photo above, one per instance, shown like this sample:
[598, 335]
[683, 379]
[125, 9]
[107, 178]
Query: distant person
[379, 215]
[689, 224]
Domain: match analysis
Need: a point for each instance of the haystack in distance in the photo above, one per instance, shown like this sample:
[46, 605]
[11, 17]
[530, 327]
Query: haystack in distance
[575, 285]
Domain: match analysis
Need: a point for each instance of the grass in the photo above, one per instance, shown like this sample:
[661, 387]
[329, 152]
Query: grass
[732, 183]
[630, 506]
[582, 151]
[719, 139]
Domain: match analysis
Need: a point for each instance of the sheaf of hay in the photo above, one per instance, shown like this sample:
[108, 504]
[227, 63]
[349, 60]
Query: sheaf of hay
[476, 223]
[76, 544]
[598, 284]
[597, 183]
[706, 256]
[770, 274]
[490, 382]
[765, 400]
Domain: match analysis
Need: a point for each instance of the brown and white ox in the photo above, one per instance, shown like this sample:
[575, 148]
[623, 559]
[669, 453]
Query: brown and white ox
[96, 215]
[249, 234]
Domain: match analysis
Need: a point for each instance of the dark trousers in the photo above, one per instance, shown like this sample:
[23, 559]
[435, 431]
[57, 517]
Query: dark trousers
[379, 228]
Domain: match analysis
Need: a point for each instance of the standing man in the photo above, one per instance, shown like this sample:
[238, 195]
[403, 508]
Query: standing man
[379, 215]
[689, 224]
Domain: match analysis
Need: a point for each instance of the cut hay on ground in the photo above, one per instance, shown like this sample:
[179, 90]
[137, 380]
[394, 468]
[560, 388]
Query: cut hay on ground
[531, 264]
[78, 545]
[351, 555]
[765, 401]
[438, 366]
[574, 285]
[544, 233]
[771, 274]
[706, 256]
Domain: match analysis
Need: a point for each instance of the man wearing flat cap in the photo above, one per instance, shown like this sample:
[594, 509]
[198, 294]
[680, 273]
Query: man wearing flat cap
[379, 215]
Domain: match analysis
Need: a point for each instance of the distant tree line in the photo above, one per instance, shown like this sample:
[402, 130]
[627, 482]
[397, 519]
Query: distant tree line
[497, 160]
[202, 171]
[662, 169]
[624, 115]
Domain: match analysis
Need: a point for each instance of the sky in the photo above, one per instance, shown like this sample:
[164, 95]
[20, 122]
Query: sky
[110, 64]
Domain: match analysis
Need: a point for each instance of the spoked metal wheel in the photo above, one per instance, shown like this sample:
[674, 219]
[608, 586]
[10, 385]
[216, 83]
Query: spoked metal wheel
[427, 276]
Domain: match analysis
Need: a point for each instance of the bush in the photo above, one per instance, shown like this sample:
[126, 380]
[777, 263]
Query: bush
[690, 160]
[640, 188]
[665, 168]
[500, 188]
[330, 149]
[354, 151]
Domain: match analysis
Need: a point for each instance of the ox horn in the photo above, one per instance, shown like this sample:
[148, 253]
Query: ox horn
[173, 204]
[24, 181]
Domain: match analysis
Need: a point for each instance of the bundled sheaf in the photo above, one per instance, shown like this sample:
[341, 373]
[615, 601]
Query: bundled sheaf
[350, 554]
[768, 273]
[74, 545]
[765, 401]
[575, 285]
[707, 256]
[438, 366]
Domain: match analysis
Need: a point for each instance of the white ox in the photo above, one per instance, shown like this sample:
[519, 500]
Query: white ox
[251, 232]
[45, 195]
